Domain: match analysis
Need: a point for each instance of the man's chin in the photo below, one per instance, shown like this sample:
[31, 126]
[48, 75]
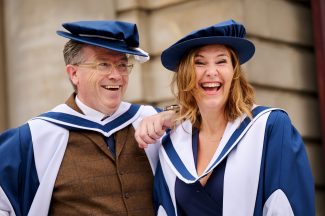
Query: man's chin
[113, 106]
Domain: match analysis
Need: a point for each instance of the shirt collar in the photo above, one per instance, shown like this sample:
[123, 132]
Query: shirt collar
[90, 112]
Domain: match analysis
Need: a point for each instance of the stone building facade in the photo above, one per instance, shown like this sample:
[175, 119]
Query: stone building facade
[283, 73]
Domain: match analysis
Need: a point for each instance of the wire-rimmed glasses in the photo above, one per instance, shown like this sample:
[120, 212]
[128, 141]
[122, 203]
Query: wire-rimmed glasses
[123, 68]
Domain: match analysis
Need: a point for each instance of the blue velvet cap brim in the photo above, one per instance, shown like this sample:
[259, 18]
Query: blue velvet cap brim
[115, 45]
[172, 56]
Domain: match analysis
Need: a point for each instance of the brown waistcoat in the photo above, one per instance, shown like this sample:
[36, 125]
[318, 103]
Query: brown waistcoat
[92, 182]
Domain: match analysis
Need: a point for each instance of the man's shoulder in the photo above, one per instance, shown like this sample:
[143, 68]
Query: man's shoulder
[14, 132]
[147, 110]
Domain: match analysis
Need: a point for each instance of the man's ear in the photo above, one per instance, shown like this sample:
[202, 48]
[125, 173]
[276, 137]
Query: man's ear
[73, 75]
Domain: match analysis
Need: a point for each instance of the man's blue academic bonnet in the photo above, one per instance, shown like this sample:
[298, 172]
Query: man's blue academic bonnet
[114, 35]
[229, 33]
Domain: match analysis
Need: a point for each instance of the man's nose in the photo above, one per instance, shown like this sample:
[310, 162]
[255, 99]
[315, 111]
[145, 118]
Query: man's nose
[114, 73]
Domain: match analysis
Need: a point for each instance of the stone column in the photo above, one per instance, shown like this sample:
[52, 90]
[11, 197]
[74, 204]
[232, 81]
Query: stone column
[35, 68]
[3, 101]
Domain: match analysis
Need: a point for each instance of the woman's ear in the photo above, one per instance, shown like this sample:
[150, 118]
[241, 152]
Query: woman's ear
[72, 72]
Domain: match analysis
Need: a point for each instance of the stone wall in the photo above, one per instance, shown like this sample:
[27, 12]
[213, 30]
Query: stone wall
[3, 101]
[36, 78]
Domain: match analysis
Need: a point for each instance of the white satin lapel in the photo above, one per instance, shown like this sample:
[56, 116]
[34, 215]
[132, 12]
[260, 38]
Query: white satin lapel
[106, 127]
[181, 140]
[63, 108]
[179, 155]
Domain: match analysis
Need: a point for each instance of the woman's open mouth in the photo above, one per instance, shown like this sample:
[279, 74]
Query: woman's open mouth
[211, 86]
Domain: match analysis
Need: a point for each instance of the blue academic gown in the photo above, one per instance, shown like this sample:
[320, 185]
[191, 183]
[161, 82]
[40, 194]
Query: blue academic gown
[31, 155]
[266, 169]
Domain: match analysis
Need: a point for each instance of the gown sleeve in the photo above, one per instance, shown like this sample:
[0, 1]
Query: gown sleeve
[18, 179]
[162, 200]
[286, 175]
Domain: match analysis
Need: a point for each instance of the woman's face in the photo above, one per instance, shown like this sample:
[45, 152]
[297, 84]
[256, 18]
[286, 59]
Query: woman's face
[214, 74]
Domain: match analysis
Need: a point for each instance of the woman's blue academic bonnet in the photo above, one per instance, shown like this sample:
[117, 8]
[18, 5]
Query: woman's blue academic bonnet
[114, 35]
[230, 33]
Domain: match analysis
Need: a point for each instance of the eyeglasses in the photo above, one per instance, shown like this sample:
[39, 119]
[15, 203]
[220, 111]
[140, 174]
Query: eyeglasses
[106, 67]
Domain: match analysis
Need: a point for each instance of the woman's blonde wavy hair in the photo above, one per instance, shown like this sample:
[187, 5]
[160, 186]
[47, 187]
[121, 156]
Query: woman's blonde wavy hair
[241, 95]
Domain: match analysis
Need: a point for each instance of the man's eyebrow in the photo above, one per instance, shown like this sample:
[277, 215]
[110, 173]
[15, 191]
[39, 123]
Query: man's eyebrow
[103, 58]
[124, 58]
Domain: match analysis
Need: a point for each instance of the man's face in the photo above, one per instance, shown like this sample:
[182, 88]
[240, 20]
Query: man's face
[101, 79]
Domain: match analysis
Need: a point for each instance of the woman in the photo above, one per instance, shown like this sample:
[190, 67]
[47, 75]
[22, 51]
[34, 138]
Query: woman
[227, 156]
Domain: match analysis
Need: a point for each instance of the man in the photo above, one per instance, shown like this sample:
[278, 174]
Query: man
[81, 158]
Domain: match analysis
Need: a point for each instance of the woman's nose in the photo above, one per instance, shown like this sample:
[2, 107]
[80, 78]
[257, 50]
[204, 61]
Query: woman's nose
[211, 70]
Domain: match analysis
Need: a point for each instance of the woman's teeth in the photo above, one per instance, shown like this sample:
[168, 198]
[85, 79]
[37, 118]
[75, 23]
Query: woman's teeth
[210, 85]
